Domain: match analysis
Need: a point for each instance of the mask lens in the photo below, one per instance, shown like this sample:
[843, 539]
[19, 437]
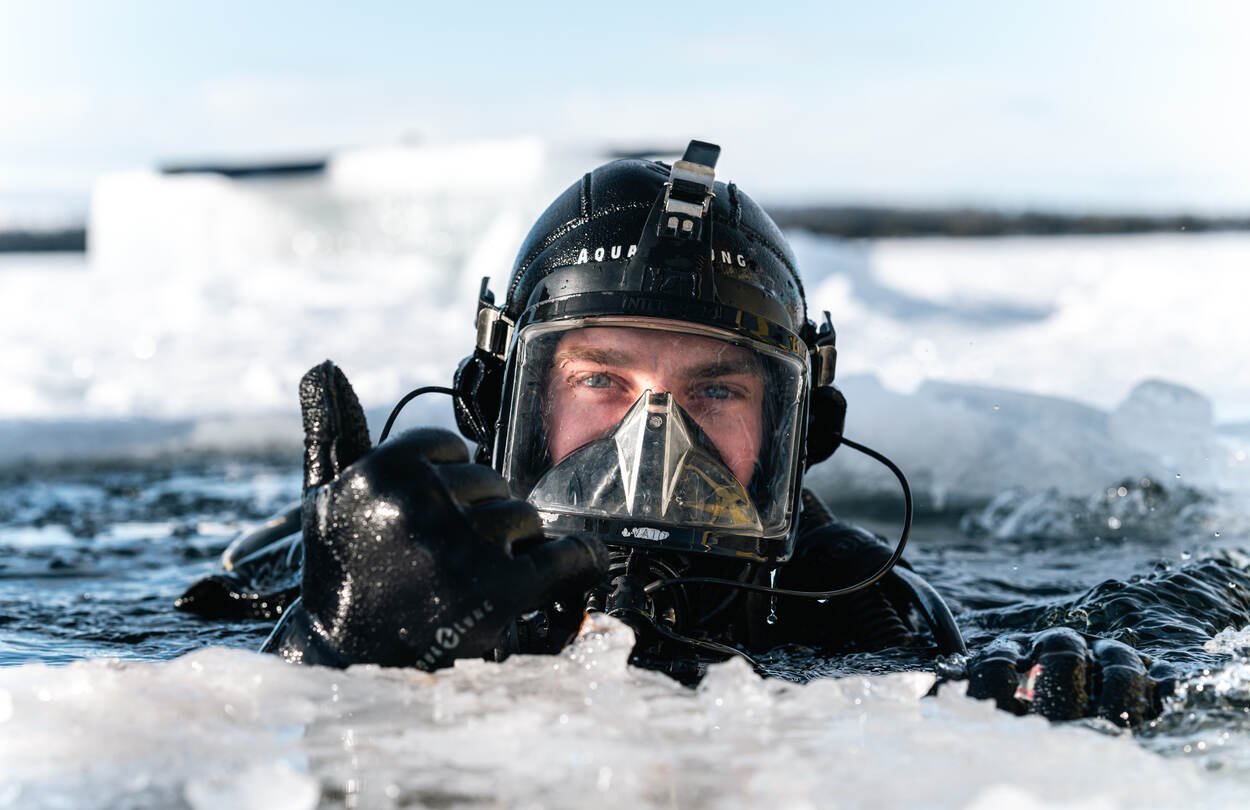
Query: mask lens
[662, 423]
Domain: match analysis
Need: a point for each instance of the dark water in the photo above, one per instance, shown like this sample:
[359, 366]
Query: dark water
[92, 558]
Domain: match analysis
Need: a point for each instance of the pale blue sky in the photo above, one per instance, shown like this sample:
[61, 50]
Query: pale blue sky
[1063, 104]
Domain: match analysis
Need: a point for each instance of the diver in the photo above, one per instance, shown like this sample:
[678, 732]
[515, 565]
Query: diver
[644, 404]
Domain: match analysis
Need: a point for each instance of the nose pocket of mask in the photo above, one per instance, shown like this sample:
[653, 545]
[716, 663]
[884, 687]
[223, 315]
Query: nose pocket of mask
[655, 465]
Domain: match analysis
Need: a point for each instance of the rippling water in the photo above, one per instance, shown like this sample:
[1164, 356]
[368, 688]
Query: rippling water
[92, 558]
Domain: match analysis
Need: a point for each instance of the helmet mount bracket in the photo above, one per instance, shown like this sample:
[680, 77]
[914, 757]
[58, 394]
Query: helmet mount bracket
[827, 409]
[688, 193]
[478, 382]
[494, 328]
[825, 353]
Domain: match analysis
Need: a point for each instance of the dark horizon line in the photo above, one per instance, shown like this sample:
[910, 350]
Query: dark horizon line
[879, 222]
[841, 221]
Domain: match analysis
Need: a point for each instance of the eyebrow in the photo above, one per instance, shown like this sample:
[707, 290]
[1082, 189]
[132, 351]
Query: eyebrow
[590, 354]
[749, 365]
[615, 358]
[724, 369]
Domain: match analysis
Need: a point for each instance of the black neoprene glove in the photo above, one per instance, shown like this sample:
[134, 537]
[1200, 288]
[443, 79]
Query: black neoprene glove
[1057, 673]
[412, 555]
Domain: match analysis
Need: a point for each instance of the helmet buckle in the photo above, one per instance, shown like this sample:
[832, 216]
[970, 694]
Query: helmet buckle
[688, 193]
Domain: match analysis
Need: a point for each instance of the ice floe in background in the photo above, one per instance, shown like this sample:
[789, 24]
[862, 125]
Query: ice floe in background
[1044, 363]
[963, 444]
[978, 364]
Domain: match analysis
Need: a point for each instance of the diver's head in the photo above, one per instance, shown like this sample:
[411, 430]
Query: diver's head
[654, 337]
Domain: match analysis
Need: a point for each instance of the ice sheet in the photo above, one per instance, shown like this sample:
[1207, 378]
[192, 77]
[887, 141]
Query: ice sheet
[228, 728]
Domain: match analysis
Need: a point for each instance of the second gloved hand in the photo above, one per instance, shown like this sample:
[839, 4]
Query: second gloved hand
[413, 556]
[1061, 675]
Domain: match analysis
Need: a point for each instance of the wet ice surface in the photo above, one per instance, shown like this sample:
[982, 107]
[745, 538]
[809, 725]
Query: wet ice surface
[229, 728]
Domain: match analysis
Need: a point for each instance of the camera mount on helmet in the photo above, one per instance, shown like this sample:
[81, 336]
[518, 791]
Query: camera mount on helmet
[688, 193]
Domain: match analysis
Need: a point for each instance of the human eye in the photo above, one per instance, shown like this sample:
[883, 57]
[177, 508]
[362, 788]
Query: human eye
[717, 392]
[595, 381]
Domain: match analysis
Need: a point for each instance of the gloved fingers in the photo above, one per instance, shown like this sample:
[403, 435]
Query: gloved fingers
[1124, 694]
[473, 484]
[435, 444]
[335, 432]
[1058, 682]
[566, 564]
[994, 673]
[504, 521]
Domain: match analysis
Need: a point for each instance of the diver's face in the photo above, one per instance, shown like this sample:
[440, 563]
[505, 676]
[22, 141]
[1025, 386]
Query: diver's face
[599, 372]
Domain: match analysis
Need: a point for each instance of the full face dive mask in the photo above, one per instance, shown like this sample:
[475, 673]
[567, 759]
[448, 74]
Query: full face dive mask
[655, 433]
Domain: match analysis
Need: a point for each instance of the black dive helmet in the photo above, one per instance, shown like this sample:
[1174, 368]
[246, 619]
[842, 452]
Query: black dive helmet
[638, 243]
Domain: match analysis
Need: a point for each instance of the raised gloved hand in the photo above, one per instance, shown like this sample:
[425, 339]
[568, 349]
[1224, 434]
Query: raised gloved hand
[412, 555]
[1057, 673]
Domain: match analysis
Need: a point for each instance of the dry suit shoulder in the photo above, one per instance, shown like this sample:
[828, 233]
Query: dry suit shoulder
[837, 554]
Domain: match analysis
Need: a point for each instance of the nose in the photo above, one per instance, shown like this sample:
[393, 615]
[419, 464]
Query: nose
[658, 383]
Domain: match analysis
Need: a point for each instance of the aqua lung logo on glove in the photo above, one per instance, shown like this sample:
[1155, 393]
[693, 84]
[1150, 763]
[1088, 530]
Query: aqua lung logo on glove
[448, 638]
[616, 252]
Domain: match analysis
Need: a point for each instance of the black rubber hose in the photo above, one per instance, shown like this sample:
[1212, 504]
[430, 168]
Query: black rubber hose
[408, 397]
[703, 644]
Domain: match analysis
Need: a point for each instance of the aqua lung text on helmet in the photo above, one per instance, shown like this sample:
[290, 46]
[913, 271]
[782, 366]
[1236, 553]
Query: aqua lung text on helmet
[616, 252]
